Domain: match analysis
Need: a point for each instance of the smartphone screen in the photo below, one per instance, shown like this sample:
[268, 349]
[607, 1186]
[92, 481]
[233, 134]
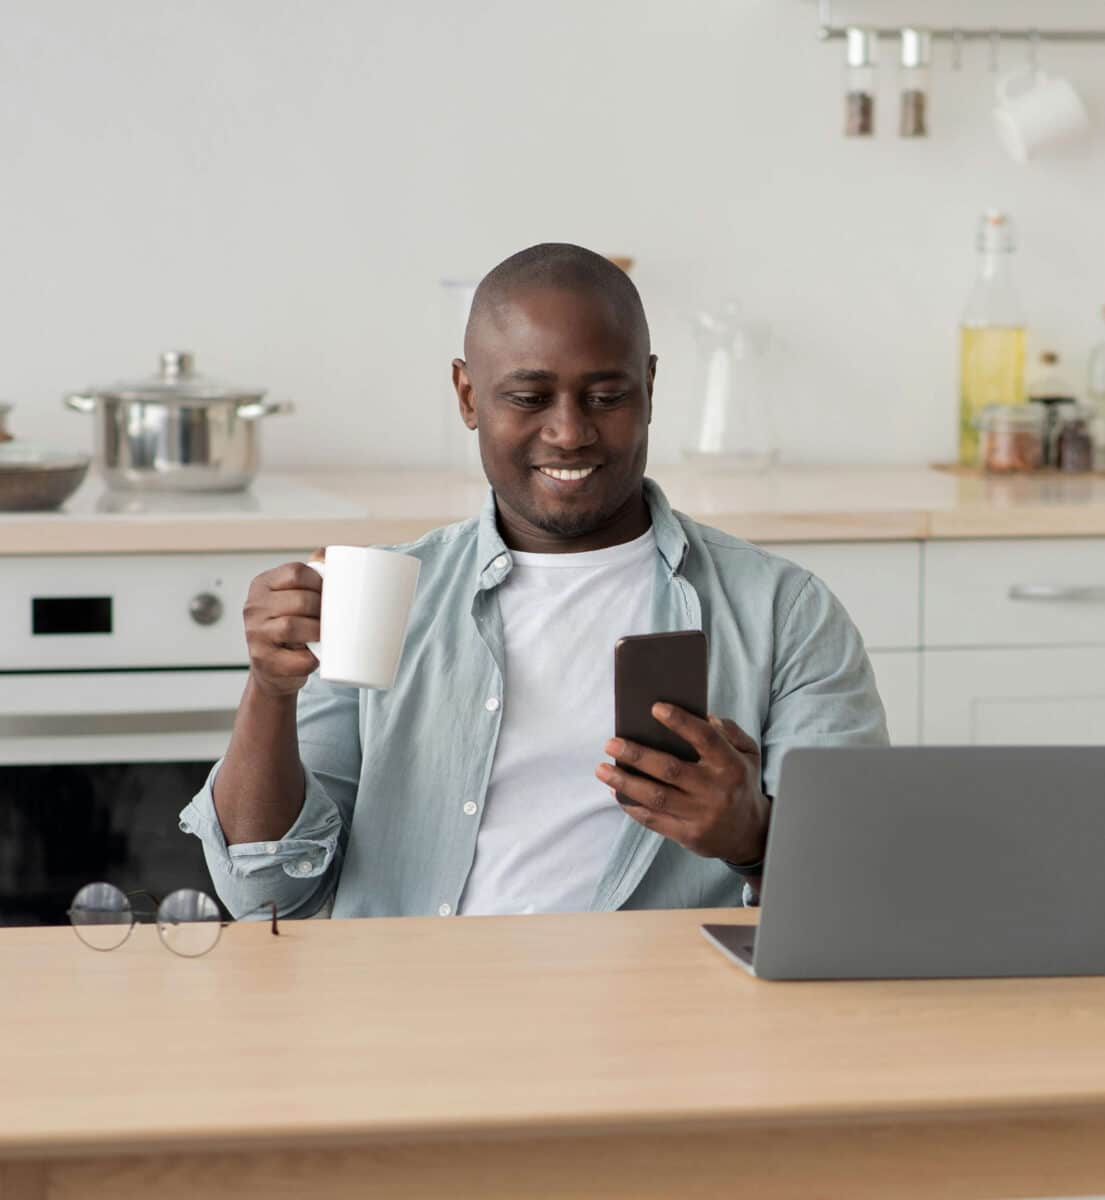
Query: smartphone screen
[653, 667]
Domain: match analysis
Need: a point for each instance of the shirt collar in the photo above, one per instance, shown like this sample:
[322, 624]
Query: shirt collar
[494, 557]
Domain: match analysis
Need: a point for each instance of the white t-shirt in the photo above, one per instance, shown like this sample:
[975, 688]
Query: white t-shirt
[549, 825]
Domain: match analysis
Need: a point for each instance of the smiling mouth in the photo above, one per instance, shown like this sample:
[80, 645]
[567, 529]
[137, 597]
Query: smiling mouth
[566, 474]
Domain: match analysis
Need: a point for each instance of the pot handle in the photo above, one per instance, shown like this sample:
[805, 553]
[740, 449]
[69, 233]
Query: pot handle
[83, 404]
[254, 410]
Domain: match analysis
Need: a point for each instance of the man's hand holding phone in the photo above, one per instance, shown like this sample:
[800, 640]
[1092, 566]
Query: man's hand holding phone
[713, 807]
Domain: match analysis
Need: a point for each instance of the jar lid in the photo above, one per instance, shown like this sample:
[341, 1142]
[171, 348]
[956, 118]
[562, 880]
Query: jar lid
[1071, 410]
[177, 382]
[1029, 418]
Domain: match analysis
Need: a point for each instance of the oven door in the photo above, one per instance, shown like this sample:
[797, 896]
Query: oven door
[94, 768]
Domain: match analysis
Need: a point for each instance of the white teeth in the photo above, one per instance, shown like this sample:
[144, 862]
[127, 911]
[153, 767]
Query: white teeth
[577, 473]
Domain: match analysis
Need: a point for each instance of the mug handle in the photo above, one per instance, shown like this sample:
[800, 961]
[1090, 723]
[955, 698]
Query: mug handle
[1033, 75]
[319, 565]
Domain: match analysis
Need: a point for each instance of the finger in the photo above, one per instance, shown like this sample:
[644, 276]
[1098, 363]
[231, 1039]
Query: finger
[318, 555]
[292, 631]
[734, 735]
[293, 575]
[662, 823]
[288, 664]
[296, 602]
[683, 776]
[641, 790]
[710, 743]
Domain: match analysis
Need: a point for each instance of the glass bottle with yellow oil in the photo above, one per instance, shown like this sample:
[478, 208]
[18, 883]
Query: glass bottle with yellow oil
[991, 335]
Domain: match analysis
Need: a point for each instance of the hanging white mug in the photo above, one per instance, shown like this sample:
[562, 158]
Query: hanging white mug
[1035, 110]
[366, 601]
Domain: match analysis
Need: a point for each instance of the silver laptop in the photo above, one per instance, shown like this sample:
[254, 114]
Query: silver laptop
[931, 862]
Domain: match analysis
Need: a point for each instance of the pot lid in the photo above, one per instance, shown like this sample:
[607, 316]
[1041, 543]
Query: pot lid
[177, 382]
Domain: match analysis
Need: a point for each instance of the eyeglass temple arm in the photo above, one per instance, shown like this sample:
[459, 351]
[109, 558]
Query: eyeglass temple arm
[270, 905]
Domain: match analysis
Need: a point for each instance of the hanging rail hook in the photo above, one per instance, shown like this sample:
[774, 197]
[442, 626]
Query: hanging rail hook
[957, 49]
[829, 32]
[825, 19]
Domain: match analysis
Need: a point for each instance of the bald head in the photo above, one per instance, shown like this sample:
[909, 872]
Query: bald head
[557, 266]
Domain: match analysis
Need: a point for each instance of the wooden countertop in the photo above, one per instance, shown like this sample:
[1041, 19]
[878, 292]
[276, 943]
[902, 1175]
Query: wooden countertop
[342, 1032]
[787, 504]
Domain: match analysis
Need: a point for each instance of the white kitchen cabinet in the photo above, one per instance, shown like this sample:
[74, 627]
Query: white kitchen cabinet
[1028, 696]
[898, 675]
[879, 583]
[1014, 642]
[1016, 592]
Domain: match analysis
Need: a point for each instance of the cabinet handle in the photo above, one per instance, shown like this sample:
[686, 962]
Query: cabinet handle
[1058, 593]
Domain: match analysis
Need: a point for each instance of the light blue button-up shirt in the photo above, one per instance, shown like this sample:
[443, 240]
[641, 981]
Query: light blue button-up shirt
[388, 826]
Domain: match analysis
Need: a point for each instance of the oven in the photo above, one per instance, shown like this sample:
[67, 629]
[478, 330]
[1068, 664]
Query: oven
[119, 679]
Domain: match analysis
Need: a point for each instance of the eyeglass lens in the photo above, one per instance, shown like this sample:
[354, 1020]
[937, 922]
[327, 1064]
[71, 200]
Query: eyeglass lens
[189, 922]
[101, 916]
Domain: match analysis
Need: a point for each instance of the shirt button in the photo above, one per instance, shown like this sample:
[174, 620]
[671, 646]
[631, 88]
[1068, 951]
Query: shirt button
[501, 562]
[492, 704]
[469, 807]
[271, 847]
[304, 867]
[444, 910]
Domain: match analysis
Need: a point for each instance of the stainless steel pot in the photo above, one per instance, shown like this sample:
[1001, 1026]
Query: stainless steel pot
[177, 431]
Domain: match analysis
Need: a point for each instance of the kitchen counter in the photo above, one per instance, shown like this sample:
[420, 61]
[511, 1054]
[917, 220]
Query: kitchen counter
[788, 504]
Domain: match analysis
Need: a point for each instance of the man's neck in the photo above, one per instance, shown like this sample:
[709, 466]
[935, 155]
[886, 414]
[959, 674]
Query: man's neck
[628, 523]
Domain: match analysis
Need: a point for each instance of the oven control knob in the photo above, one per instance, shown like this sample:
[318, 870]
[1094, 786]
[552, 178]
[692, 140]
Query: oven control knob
[205, 608]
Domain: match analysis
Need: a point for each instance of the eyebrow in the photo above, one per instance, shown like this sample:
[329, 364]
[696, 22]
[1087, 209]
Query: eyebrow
[524, 376]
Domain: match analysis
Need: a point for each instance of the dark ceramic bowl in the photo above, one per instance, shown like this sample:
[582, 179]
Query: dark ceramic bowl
[37, 480]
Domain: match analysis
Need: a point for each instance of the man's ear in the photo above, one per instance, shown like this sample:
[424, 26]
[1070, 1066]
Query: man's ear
[463, 387]
[651, 380]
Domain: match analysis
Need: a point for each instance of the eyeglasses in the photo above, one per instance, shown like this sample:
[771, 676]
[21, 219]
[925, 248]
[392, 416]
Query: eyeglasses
[188, 921]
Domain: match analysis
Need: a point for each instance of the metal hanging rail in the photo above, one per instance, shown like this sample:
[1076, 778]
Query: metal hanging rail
[828, 32]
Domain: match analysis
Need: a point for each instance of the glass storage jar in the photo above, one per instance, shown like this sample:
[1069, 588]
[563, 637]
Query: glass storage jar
[1011, 437]
[1074, 450]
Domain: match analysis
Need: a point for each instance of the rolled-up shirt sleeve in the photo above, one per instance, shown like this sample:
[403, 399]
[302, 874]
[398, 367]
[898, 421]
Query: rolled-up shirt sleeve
[823, 688]
[298, 871]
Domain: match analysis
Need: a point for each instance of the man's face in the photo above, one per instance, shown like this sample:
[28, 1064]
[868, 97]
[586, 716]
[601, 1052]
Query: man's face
[558, 382]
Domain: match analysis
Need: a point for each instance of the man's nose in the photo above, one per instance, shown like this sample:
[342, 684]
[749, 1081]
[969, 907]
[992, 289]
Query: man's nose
[568, 425]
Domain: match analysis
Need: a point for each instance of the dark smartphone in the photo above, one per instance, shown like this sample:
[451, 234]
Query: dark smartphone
[651, 667]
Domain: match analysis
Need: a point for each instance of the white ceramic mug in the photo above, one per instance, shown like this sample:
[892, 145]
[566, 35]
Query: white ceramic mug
[1035, 110]
[366, 601]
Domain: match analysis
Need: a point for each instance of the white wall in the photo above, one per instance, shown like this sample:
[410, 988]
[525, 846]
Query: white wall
[280, 184]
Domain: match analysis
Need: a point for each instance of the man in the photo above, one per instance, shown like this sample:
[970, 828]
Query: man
[474, 784]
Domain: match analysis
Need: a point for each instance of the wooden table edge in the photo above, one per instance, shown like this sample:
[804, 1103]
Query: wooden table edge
[585, 1126]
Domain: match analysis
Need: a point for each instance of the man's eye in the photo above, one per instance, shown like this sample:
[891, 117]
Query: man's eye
[527, 399]
[606, 399]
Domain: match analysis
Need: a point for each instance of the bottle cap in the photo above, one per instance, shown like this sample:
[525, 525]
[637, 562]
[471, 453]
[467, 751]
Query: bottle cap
[995, 231]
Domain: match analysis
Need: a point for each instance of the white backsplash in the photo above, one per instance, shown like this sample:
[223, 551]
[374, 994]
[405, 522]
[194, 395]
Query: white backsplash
[280, 186]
